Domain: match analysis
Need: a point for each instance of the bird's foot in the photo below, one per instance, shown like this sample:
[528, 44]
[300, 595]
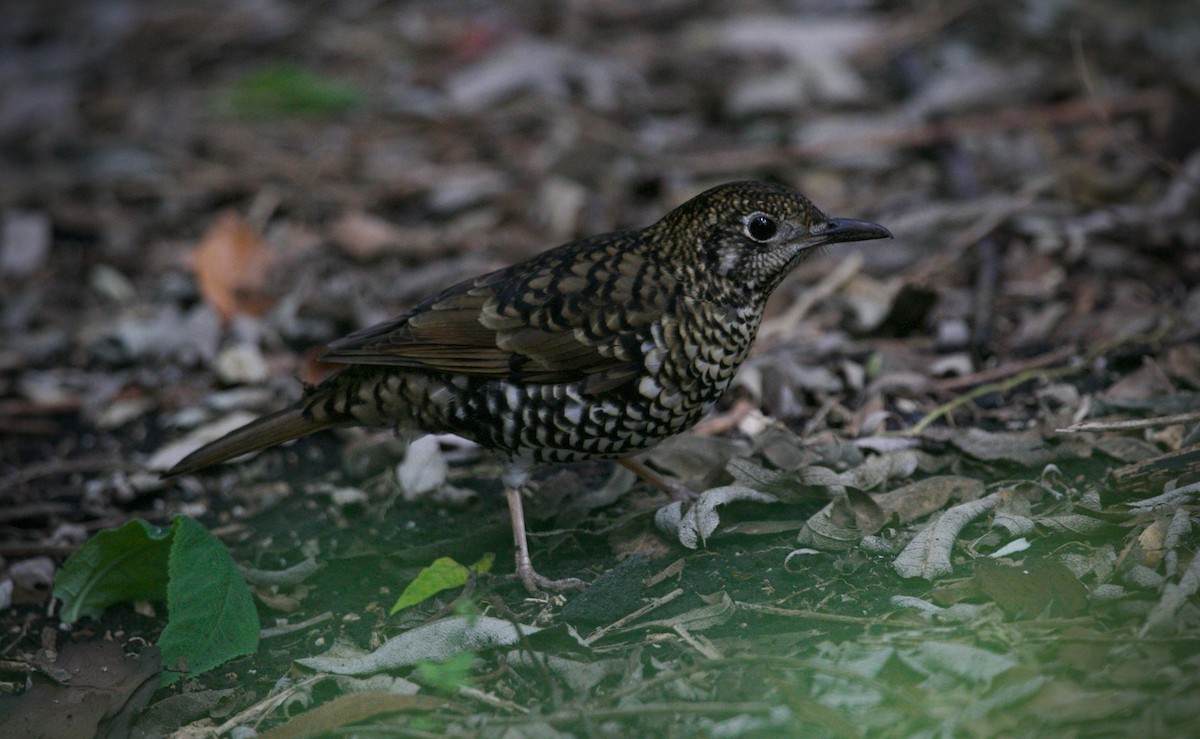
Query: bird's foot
[676, 490]
[514, 479]
[537, 584]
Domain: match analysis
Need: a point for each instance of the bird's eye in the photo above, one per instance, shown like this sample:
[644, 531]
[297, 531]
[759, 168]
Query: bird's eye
[760, 227]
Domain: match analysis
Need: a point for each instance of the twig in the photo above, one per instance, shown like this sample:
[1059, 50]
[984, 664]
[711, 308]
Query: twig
[44, 509]
[755, 659]
[1025, 376]
[1006, 370]
[698, 642]
[536, 658]
[27, 427]
[984, 224]
[1105, 117]
[63, 467]
[1136, 423]
[1071, 111]
[670, 570]
[995, 387]
[646, 709]
[292, 628]
[263, 708]
[964, 183]
[832, 618]
[986, 277]
[488, 699]
[293, 575]
[15, 549]
[656, 603]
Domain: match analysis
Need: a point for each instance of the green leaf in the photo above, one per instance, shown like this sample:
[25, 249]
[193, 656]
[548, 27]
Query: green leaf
[287, 89]
[443, 574]
[448, 674]
[210, 613]
[129, 563]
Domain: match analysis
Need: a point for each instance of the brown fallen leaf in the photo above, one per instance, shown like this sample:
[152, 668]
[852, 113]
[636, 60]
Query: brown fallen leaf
[1027, 590]
[364, 237]
[346, 710]
[232, 264]
[100, 692]
[930, 494]
[1027, 449]
[1145, 478]
[1183, 363]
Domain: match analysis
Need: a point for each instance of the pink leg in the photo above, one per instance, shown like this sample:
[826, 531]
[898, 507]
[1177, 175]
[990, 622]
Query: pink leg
[674, 489]
[534, 582]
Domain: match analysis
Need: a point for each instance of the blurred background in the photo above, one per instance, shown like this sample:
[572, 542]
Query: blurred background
[341, 159]
[195, 198]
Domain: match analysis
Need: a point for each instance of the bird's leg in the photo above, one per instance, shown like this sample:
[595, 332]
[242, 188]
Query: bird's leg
[674, 489]
[515, 479]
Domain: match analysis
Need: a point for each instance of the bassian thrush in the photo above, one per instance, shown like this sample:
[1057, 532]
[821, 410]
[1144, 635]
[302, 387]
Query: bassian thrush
[598, 349]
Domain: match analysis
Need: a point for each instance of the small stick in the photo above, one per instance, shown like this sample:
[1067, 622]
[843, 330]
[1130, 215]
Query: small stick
[291, 628]
[1007, 370]
[925, 134]
[1136, 423]
[657, 602]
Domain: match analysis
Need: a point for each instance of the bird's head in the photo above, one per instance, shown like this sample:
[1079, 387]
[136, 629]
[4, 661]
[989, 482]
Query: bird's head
[751, 234]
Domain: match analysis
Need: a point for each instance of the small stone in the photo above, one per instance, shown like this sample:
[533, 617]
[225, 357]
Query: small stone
[241, 364]
[953, 334]
[24, 242]
[423, 469]
[110, 283]
[33, 575]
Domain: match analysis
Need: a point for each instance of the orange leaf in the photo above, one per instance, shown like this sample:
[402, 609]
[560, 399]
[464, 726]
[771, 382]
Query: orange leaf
[313, 371]
[232, 264]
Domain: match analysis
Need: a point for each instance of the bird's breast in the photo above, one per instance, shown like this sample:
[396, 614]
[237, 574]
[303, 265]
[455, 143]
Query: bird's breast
[684, 364]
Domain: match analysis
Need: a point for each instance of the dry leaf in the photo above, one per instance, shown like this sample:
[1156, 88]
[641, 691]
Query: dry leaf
[693, 526]
[928, 495]
[928, 554]
[232, 265]
[1028, 590]
[364, 236]
[434, 641]
[1023, 448]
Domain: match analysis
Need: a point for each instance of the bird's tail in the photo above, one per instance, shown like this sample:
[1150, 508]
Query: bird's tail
[271, 429]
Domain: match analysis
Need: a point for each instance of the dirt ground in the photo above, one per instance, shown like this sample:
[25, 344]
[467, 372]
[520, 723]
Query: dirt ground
[953, 490]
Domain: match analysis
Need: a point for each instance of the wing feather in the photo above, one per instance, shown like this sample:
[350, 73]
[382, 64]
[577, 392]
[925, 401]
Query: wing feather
[537, 322]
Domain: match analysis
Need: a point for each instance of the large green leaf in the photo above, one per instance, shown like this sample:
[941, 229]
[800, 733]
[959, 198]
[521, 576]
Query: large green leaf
[129, 563]
[210, 612]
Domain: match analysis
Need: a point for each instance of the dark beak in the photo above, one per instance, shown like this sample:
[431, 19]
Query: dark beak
[839, 230]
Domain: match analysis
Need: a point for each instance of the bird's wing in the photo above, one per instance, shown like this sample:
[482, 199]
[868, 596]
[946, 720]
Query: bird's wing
[572, 314]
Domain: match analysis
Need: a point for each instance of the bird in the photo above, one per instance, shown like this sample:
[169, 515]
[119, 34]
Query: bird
[600, 348]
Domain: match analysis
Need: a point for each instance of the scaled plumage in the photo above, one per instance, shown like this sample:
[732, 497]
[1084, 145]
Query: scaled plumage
[597, 349]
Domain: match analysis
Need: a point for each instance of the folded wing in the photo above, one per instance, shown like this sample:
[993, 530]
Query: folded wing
[578, 313]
